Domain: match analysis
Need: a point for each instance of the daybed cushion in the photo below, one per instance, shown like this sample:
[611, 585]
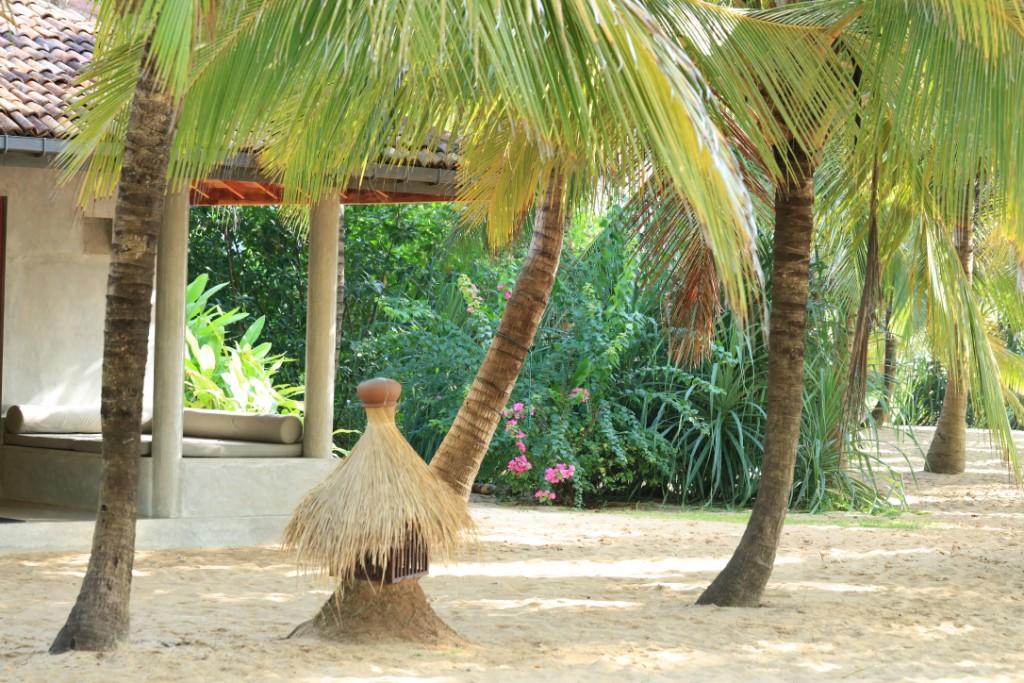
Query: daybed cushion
[231, 427]
[32, 419]
[192, 447]
[83, 443]
[28, 419]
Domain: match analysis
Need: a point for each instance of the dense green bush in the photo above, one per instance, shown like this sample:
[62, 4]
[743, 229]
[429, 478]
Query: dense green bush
[599, 394]
[599, 412]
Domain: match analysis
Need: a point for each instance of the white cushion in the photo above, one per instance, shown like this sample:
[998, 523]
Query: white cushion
[221, 424]
[32, 419]
[226, 448]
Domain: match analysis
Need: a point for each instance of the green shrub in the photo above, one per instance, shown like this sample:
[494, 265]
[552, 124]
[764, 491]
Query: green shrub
[598, 392]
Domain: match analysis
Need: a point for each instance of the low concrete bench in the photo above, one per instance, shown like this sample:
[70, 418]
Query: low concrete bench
[234, 465]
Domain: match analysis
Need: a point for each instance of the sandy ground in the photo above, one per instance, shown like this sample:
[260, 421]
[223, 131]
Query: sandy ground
[566, 596]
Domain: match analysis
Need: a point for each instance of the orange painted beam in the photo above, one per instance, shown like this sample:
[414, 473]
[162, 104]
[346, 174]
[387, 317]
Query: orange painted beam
[250, 193]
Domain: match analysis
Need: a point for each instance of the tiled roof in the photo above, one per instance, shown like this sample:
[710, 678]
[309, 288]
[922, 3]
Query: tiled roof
[49, 45]
[41, 54]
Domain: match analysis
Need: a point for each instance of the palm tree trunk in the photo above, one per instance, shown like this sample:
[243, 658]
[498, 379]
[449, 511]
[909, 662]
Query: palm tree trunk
[880, 414]
[857, 376]
[99, 618]
[947, 453]
[458, 458]
[744, 578]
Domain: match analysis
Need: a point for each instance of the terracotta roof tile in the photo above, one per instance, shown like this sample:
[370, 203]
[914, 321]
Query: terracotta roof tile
[50, 43]
[41, 55]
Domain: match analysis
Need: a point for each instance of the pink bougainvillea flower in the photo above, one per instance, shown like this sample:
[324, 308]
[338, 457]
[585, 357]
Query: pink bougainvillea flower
[520, 434]
[501, 287]
[544, 496]
[519, 465]
[508, 294]
[521, 446]
[517, 407]
[581, 394]
[559, 473]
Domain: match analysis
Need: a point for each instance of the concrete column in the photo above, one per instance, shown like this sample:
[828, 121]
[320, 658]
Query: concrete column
[169, 355]
[321, 311]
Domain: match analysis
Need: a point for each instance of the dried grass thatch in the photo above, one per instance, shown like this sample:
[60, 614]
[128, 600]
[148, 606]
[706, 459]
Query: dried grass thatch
[372, 501]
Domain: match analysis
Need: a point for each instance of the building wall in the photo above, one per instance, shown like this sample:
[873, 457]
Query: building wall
[55, 286]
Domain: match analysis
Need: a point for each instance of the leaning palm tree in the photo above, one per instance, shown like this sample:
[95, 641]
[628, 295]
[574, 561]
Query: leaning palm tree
[555, 97]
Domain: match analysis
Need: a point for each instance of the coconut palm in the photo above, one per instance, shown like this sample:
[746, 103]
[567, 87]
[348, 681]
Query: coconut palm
[904, 65]
[990, 278]
[568, 97]
[99, 618]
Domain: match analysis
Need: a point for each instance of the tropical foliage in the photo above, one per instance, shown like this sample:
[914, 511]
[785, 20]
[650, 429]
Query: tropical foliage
[598, 393]
[239, 374]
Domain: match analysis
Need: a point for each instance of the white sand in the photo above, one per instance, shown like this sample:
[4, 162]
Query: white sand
[587, 596]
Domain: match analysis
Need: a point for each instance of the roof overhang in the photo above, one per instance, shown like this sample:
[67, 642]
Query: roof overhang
[239, 182]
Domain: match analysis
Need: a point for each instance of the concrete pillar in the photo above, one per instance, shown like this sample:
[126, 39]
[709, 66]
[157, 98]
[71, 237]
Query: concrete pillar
[169, 354]
[321, 311]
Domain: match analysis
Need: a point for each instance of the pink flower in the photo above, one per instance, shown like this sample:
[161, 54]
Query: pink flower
[521, 446]
[520, 434]
[544, 496]
[559, 473]
[511, 424]
[470, 310]
[517, 407]
[508, 294]
[580, 393]
[501, 287]
[519, 465]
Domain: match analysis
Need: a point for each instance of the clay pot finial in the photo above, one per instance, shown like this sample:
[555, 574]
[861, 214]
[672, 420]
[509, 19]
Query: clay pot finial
[380, 392]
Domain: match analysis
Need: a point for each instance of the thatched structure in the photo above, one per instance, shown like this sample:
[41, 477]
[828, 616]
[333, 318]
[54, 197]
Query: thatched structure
[379, 499]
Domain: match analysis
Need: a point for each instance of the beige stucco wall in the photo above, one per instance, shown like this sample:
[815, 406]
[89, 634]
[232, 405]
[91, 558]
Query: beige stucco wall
[55, 284]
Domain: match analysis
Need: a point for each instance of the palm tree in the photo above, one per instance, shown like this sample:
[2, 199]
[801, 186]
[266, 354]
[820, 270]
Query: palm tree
[884, 89]
[947, 452]
[881, 413]
[567, 96]
[458, 458]
[99, 618]
[981, 254]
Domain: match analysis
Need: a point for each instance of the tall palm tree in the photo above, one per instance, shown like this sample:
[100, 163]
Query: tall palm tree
[99, 618]
[886, 87]
[947, 452]
[566, 96]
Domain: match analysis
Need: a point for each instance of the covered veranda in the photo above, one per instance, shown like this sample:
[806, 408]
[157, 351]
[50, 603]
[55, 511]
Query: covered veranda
[43, 485]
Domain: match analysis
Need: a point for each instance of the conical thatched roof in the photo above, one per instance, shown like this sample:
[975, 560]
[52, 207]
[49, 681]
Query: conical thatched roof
[375, 497]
